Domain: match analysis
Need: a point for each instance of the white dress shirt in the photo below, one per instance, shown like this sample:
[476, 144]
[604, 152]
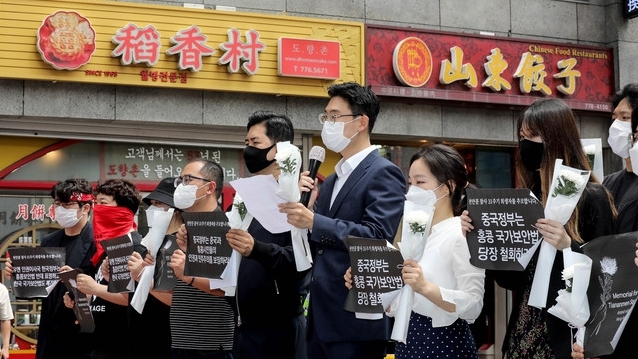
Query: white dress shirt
[446, 262]
[344, 168]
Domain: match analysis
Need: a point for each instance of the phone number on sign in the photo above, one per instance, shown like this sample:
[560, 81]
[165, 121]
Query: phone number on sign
[310, 70]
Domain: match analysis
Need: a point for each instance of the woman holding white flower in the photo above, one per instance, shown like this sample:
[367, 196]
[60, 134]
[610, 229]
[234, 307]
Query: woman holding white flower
[547, 131]
[449, 290]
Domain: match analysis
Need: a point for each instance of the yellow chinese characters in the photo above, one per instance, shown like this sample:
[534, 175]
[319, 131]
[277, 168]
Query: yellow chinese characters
[456, 70]
[569, 74]
[494, 67]
[531, 72]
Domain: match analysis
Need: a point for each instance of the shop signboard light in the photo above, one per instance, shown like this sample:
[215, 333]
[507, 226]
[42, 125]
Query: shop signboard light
[487, 69]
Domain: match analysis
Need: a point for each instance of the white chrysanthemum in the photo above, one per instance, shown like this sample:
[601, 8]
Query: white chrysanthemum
[568, 273]
[574, 177]
[590, 150]
[237, 199]
[418, 221]
[283, 153]
[418, 217]
[608, 265]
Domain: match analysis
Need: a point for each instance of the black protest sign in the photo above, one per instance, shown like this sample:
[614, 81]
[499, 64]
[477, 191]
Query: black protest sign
[119, 251]
[208, 251]
[376, 268]
[504, 222]
[81, 307]
[612, 291]
[34, 269]
[164, 277]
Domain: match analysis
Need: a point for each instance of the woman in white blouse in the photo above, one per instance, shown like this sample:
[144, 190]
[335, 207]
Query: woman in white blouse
[448, 289]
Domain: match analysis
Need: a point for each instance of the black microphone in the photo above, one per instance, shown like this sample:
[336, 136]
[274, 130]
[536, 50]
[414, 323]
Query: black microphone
[316, 156]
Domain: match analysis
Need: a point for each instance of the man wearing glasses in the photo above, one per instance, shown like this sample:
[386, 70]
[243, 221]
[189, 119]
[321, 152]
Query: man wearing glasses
[364, 198]
[59, 332]
[202, 320]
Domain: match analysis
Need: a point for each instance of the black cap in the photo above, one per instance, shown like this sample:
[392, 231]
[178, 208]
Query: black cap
[163, 192]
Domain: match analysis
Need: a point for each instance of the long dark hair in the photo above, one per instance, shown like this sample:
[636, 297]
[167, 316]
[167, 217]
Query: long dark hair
[555, 123]
[447, 165]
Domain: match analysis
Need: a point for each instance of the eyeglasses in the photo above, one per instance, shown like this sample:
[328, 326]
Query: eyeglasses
[186, 180]
[323, 117]
[64, 204]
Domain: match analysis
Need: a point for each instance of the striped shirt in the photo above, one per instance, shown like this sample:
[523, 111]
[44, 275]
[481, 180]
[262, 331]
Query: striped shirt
[200, 321]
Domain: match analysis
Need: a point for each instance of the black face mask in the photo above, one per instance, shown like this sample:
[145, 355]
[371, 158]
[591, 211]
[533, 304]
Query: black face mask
[256, 159]
[531, 154]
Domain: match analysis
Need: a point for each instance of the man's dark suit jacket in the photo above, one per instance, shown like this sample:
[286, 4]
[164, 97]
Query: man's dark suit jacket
[369, 205]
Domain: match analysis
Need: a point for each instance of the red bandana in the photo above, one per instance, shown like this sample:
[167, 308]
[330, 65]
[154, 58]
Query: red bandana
[110, 222]
[82, 197]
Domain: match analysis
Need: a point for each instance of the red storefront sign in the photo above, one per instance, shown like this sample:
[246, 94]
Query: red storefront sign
[488, 69]
[309, 58]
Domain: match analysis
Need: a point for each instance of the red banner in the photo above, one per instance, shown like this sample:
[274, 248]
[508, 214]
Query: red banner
[487, 69]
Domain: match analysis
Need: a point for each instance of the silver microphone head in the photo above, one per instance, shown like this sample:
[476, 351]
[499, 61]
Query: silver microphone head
[317, 153]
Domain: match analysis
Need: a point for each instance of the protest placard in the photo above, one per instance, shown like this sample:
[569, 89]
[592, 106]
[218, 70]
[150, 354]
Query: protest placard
[208, 251]
[164, 278]
[504, 227]
[376, 268]
[35, 269]
[81, 306]
[119, 251]
[612, 291]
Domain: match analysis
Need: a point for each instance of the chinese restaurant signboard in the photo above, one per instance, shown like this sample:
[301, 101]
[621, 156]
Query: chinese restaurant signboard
[485, 69]
[131, 44]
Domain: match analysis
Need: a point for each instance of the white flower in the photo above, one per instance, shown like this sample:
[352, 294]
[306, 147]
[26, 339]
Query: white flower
[568, 183]
[283, 154]
[568, 273]
[574, 177]
[590, 150]
[284, 158]
[608, 266]
[418, 221]
[240, 206]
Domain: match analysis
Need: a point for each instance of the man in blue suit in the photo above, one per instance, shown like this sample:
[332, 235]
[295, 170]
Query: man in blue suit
[364, 198]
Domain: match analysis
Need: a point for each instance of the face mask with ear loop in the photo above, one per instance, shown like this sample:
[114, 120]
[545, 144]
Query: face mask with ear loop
[186, 195]
[618, 133]
[633, 157]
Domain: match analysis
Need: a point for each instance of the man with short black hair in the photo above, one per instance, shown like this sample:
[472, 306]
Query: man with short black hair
[364, 198]
[270, 291]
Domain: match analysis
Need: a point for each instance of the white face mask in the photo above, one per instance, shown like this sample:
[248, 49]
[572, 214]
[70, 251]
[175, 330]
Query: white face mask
[618, 134]
[150, 214]
[423, 196]
[185, 196]
[633, 156]
[66, 217]
[332, 135]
